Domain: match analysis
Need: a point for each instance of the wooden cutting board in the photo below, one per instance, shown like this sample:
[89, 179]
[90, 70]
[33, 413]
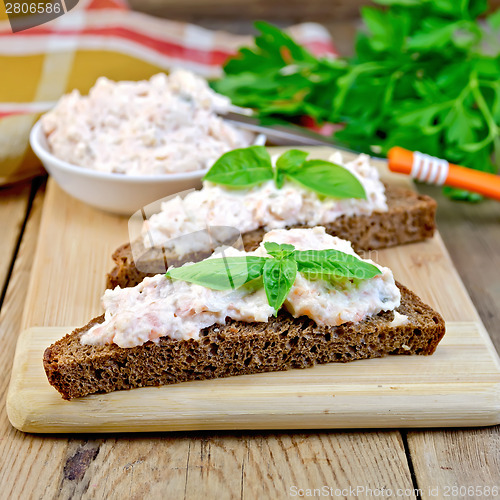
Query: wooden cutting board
[458, 386]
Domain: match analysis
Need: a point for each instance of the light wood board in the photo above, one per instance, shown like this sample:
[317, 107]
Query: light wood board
[459, 385]
[13, 206]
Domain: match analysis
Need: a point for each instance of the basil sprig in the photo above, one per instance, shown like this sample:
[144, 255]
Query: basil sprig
[278, 272]
[247, 167]
[327, 264]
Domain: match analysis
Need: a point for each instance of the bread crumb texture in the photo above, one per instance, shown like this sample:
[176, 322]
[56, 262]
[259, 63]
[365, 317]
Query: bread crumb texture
[238, 348]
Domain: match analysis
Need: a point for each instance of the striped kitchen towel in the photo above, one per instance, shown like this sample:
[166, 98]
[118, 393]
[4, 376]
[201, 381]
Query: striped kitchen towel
[100, 38]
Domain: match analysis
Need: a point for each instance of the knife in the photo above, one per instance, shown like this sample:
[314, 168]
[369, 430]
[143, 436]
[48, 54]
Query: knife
[422, 167]
[282, 135]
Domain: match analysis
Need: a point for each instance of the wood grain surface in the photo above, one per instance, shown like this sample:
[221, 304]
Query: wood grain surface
[367, 397]
[13, 209]
[459, 385]
[472, 233]
[66, 270]
[469, 458]
[290, 11]
[255, 464]
[20, 453]
[76, 241]
[190, 465]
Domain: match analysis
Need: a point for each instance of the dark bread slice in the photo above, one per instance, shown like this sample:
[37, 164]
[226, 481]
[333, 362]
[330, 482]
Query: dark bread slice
[238, 348]
[411, 218]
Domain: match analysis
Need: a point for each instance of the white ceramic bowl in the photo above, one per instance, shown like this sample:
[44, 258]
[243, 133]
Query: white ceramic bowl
[116, 193]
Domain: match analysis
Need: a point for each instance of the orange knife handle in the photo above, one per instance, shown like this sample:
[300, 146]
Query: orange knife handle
[400, 160]
[435, 171]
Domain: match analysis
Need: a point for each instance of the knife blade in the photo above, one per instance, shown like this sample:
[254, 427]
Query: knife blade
[282, 135]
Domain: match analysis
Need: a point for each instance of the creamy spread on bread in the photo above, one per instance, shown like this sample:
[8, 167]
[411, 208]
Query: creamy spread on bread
[165, 125]
[161, 307]
[261, 206]
[399, 319]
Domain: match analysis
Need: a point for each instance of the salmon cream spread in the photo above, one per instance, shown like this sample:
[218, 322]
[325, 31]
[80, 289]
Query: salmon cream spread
[161, 307]
[165, 125]
[260, 206]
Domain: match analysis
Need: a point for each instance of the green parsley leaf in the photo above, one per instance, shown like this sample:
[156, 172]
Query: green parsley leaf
[242, 168]
[220, 274]
[273, 38]
[494, 19]
[279, 277]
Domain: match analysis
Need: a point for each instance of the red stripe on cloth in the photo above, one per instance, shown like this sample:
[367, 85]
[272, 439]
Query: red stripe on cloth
[106, 4]
[165, 47]
[4, 114]
[172, 49]
[321, 48]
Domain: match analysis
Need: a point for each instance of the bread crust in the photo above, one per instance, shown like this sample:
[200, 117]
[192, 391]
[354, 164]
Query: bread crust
[410, 218]
[238, 348]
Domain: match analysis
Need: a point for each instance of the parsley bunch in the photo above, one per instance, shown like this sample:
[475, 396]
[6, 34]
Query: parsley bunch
[425, 76]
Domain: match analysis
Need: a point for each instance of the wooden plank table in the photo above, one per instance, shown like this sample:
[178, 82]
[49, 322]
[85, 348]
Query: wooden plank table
[250, 464]
[426, 464]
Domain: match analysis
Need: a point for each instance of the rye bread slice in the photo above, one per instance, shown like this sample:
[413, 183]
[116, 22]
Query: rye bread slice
[410, 218]
[238, 348]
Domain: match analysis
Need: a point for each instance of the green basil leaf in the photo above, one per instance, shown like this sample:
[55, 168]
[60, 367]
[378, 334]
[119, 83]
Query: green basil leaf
[279, 276]
[278, 251]
[328, 179]
[494, 19]
[333, 264]
[242, 168]
[220, 274]
[289, 160]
